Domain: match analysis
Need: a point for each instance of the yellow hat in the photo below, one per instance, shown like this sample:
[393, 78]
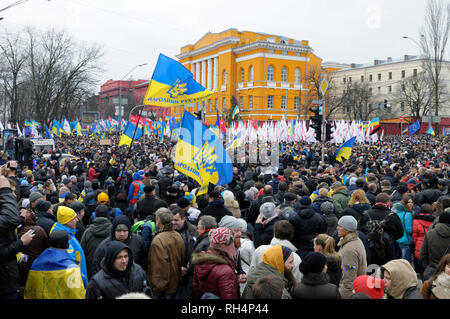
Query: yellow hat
[102, 198]
[65, 214]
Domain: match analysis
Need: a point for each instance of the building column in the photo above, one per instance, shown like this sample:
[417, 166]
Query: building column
[216, 72]
[203, 73]
[197, 71]
[210, 74]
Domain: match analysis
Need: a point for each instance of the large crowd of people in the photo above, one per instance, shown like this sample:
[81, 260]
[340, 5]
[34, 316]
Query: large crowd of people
[110, 222]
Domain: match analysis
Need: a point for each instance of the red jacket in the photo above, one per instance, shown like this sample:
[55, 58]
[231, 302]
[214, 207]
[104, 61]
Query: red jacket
[214, 274]
[421, 223]
[92, 174]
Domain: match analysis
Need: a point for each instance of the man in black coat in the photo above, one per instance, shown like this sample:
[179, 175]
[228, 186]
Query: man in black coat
[430, 194]
[10, 244]
[165, 182]
[307, 225]
[215, 207]
[263, 231]
[149, 204]
[45, 217]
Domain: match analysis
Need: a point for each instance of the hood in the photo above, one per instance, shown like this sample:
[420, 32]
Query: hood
[121, 219]
[205, 262]
[217, 202]
[443, 230]
[341, 190]
[137, 176]
[403, 276]
[101, 227]
[283, 242]
[305, 212]
[425, 217]
[112, 250]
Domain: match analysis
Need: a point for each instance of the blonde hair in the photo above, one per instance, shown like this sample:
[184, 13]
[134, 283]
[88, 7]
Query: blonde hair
[323, 192]
[358, 196]
[327, 242]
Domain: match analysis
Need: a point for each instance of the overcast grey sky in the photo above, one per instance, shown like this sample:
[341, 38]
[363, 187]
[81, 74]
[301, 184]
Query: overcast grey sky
[136, 31]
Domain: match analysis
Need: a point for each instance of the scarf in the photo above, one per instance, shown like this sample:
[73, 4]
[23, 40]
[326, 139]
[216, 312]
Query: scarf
[383, 204]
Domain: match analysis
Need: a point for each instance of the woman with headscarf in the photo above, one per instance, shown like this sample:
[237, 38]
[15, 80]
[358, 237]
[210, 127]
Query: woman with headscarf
[277, 260]
[118, 275]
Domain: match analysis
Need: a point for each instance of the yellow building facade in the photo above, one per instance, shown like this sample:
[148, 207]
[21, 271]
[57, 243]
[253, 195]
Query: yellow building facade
[265, 73]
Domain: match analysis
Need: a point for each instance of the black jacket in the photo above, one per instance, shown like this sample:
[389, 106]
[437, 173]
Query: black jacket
[216, 209]
[307, 224]
[109, 283]
[10, 244]
[263, 234]
[45, 220]
[393, 226]
[316, 286]
[427, 196]
[148, 206]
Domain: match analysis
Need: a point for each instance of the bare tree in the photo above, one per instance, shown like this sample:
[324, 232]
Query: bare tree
[356, 100]
[433, 43]
[414, 93]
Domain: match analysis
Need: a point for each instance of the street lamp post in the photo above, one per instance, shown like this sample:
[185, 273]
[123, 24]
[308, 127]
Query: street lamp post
[120, 90]
[430, 81]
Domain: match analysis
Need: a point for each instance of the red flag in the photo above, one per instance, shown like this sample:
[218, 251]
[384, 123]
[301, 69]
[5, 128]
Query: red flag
[223, 127]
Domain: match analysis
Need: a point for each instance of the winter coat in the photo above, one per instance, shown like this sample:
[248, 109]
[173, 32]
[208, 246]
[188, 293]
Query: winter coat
[188, 233]
[360, 209]
[377, 212]
[166, 257]
[134, 242]
[403, 280]
[427, 196]
[316, 286]
[10, 245]
[307, 225]
[148, 206]
[164, 183]
[438, 288]
[214, 273]
[38, 244]
[353, 262]
[421, 224]
[274, 183]
[216, 209]
[434, 245]
[334, 270]
[45, 220]
[260, 270]
[97, 231]
[263, 233]
[246, 252]
[233, 207]
[259, 252]
[341, 197]
[407, 223]
[109, 283]
[318, 201]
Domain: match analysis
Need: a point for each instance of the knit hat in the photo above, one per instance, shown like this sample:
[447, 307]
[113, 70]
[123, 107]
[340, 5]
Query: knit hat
[230, 222]
[313, 263]
[43, 206]
[275, 256]
[268, 209]
[305, 201]
[327, 208]
[348, 222]
[402, 189]
[59, 239]
[290, 196]
[190, 197]
[149, 188]
[336, 185]
[444, 218]
[222, 239]
[77, 206]
[101, 211]
[88, 185]
[25, 203]
[243, 225]
[102, 198]
[371, 286]
[183, 202]
[35, 195]
[66, 181]
[65, 214]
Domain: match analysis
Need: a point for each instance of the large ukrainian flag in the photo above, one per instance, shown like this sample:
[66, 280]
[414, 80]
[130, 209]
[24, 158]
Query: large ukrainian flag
[127, 135]
[172, 84]
[200, 154]
[345, 150]
[54, 275]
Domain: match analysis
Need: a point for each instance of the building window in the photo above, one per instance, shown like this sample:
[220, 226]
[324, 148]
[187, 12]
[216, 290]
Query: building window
[241, 102]
[297, 102]
[379, 76]
[344, 80]
[217, 104]
[271, 51]
[379, 89]
[390, 89]
[242, 75]
[284, 52]
[224, 102]
[284, 74]
[370, 91]
[349, 79]
[402, 106]
[297, 54]
[270, 102]
[251, 73]
[403, 74]
[224, 77]
[415, 72]
[283, 102]
[250, 102]
[389, 76]
[297, 76]
[370, 77]
[270, 73]
[403, 88]
[362, 78]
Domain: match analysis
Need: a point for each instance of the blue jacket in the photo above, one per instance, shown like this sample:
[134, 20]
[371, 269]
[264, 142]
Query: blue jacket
[407, 222]
[75, 250]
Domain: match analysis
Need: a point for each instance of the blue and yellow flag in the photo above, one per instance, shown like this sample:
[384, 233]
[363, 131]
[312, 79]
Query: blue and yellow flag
[172, 84]
[235, 111]
[54, 275]
[292, 128]
[444, 132]
[127, 135]
[55, 128]
[431, 131]
[345, 150]
[235, 142]
[200, 154]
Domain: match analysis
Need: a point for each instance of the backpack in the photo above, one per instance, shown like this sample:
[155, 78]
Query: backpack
[380, 242]
[140, 191]
[116, 211]
[138, 226]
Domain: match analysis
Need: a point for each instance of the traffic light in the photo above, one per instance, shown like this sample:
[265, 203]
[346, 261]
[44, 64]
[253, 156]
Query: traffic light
[316, 122]
[328, 132]
[386, 104]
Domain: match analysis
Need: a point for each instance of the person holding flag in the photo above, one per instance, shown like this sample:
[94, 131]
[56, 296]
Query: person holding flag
[345, 150]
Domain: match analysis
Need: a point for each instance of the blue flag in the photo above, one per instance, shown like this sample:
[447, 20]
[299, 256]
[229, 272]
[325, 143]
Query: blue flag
[413, 128]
